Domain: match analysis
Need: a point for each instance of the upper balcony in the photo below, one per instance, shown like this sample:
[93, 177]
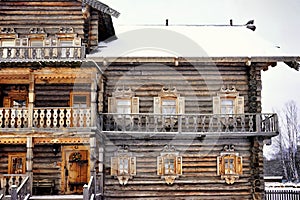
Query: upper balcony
[191, 124]
[12, 54]
[21, 119]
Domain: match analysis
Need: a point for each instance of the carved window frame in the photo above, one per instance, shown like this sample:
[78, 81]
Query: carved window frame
[67, 35]
[230, 94]
[229, 164]
[168, 93]
[123, 94]
[17, 93]
[11, 163]
[170, 158]
[123, 165]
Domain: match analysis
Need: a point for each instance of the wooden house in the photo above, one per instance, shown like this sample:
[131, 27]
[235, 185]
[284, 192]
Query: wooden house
[154, 113]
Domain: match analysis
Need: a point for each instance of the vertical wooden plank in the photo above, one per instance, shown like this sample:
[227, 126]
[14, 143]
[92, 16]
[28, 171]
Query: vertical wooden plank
[216, 105]
[157, 105]
[135, 105]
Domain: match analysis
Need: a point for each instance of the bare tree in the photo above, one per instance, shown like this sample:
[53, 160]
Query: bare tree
[288, 141]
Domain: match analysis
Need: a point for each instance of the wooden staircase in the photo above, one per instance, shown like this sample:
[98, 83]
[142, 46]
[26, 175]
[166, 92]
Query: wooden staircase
[57, 197]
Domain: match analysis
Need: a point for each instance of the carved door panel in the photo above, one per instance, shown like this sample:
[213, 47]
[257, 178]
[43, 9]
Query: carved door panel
[76, 170]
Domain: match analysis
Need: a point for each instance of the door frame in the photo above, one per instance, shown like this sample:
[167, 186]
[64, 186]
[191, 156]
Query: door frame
[64, 162]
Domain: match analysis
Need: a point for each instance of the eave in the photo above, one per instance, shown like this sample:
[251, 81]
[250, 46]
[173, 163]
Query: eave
[291, 61]
[102, 7]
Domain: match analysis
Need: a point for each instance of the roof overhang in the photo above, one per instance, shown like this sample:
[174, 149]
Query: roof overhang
[102, 7]
[291, 61]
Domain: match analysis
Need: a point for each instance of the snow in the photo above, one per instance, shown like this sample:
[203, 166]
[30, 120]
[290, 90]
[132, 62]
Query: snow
[186, 41]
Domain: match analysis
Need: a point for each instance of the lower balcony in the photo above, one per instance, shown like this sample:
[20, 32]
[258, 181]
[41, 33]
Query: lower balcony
[18, 118]
[205, 124]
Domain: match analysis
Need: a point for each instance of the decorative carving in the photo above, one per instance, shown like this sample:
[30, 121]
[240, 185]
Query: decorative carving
[37, 30]
[169, 164]
[229, 164]
[7, 30]
[66, 30]
[122, 92]
[123, 165]
[168, 92]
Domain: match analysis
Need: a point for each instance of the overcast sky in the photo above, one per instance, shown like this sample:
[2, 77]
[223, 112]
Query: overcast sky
[278, 21]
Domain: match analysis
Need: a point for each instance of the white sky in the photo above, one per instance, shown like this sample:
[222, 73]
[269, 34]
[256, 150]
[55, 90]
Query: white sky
[276, 20]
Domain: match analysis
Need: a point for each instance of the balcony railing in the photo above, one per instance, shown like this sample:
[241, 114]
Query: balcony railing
[41, 53]
[8, 180]
[45, 117]
[190, 123]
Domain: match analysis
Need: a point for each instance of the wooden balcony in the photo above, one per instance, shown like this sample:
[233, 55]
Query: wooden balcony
[201, 124]
[10, 54]
[8, 180]
[43, 118]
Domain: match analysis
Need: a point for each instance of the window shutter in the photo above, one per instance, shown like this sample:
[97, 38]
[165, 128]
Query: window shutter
[181, 105]
[178, 165]
[216, 105]
[220, 167]
[135, 105]
[239, 165]
[133, 166]
[160, 165]
[239, 105]
[114, 166]
[112, 107]
[7, 102]
[157, 105]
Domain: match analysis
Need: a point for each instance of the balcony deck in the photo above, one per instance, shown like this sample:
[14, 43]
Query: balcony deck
[191, 124]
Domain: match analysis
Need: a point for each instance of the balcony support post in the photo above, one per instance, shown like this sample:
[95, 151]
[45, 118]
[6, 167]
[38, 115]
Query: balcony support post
[29, 161]
[31, 97]
[93, 101]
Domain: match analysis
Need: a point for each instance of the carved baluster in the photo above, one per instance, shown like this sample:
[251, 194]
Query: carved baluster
[19, 117]
[195, 123]
[211, 124]
[219, 124]
[227, 123]
[235, 124]
[35, 118]
[203, 123]
[251, 128]
[81, 117]
[1, 117]
[17, 53]
[67, 52]
[140, 123]
[88, 117]
[42, 118]
[48, 118]
[172, 122]
[34, 53]
[7, 116]
[13, 117]
[163, 119]
[155, 123]
[75, 117]
[55, 116]
[187, 123]
[42, 52]
[9, 53]
[1, 53]
[76, 49]
[25, 118]
[68, 117]
[61, 117]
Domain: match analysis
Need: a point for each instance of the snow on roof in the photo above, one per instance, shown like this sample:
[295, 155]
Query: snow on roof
[186, 41]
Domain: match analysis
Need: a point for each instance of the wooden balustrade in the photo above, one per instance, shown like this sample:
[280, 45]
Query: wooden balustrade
[190, 123]
[89, 190]
[45, 117]
[35, 53]
[8, 180]
[22, 192]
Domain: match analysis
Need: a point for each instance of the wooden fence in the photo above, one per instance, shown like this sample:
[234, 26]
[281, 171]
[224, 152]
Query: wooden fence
[282, 193]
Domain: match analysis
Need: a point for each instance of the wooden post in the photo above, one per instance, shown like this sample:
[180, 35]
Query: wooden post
[29, 161]
[101, 160]
[258, 123]
[14, 195]
[31, 98]
[93, 157]
[94, 101]
[85, 192]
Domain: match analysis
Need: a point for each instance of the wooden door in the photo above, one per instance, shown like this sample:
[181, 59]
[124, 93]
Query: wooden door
[76, 171]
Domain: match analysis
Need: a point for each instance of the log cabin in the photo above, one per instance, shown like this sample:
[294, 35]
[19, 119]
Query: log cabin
[161, 112]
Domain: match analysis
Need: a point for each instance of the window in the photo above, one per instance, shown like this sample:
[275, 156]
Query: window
[228, 102]
[230, 164]
[17, 163]
[123, 166]
[80, 99]
[19, 103]
[36, 52]
[169, 164]
[17, 97]
[169, 102]
[6, 52]
[66, 52]
[123, 102]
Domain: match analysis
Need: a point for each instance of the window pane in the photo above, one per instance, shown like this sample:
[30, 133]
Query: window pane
[168, 106]
[227, 106]
[227, 102]
[79, 101]
[123, 102]
[123, 106]
[169, 166]
[36, 43]
[19, 103]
